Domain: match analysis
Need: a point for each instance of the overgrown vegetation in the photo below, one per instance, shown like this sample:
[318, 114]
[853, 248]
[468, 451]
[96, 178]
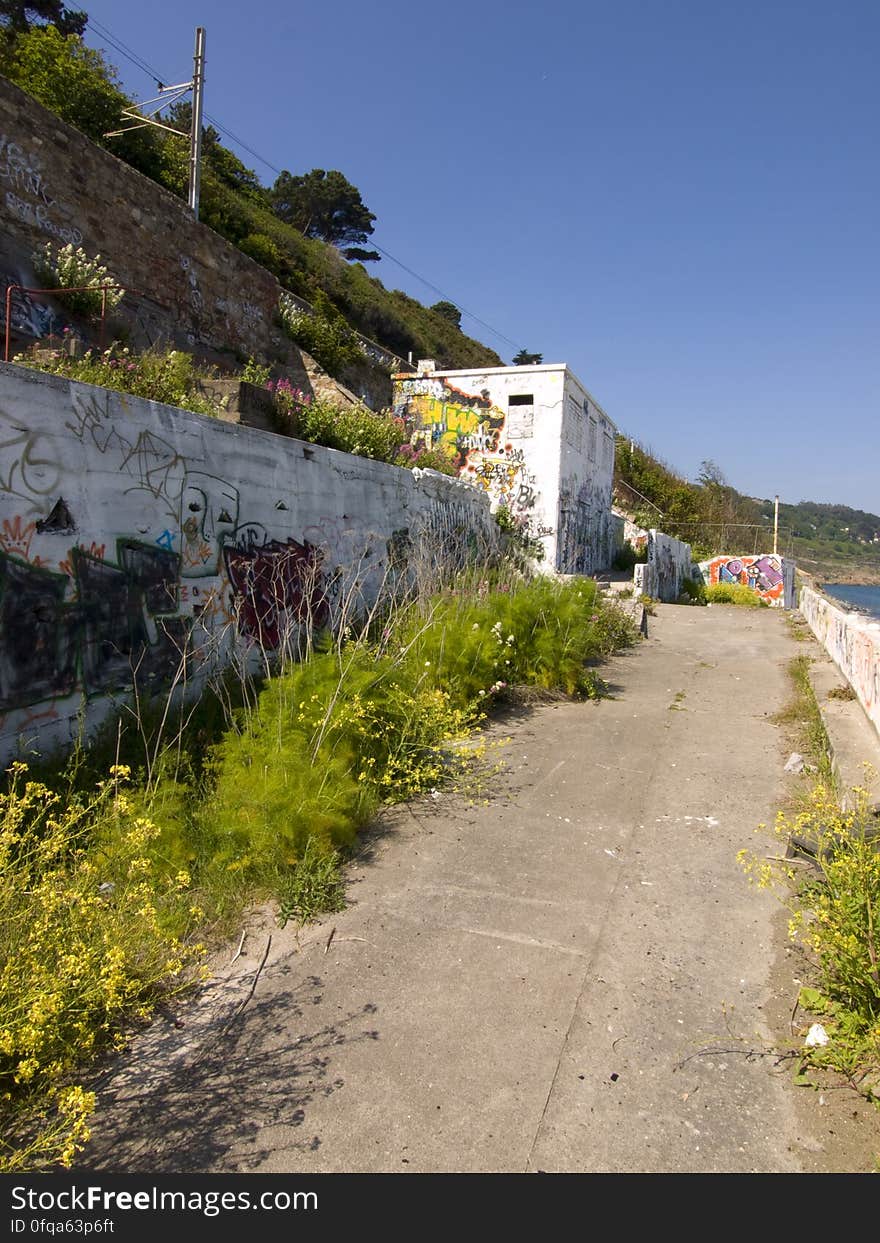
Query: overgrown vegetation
[732, 593]
[522, 547]
[85, 286]
[169, 376]
[835, 918]
[804, 719]
[694, 590]
[710, 515]
[627, 557]
[353, 429]
[91, 934]
[256, 789]
[835, 909]
[325, 335]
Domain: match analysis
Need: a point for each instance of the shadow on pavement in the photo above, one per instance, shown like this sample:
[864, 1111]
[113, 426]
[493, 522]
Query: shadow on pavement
[228, 1103]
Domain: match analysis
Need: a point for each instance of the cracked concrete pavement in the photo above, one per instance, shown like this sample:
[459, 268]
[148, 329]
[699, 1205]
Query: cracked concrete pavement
[574, 976]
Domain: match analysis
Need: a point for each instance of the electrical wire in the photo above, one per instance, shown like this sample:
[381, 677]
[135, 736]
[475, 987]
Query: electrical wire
[124, 50]
[424, 281]
[127, 52]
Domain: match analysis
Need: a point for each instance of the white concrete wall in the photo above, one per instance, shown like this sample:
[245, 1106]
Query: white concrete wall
[132, 534]
[853, 643]
[535, 457]
[586, 534]
[669, 563]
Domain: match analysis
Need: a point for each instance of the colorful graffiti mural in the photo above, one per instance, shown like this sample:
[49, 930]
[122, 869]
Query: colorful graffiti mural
[278, 585]
[762, 574]
[475, 431]
[103, 625]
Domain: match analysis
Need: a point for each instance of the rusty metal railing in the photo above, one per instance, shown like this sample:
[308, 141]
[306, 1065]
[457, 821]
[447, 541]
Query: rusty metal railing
[105, 289]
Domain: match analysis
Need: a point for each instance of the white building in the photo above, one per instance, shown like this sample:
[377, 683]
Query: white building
[535, 440]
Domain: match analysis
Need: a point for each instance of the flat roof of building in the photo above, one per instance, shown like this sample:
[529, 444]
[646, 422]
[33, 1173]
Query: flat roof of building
[530, 368]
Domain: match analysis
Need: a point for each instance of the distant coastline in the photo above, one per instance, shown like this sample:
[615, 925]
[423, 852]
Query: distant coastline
[855, 575]
[863, 597]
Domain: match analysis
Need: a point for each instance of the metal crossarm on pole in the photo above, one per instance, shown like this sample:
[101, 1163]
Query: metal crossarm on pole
[141, 118]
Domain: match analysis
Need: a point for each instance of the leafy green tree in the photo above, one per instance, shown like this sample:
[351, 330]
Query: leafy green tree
[324, 205]
[16, 16]
[449, 311]
[711, 475]
[77, 84]
[525, 359]
[358, 254]
[226, 166]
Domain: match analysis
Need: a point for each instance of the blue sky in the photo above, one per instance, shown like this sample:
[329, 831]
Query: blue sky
[678, 198]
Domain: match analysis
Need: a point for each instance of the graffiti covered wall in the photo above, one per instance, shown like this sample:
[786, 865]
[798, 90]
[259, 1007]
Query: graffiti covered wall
[140, 543]
[768, 574]
[853, 643]
[534, 441]
[668, 564]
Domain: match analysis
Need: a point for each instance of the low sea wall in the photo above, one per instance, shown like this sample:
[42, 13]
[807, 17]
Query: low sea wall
[853, 643]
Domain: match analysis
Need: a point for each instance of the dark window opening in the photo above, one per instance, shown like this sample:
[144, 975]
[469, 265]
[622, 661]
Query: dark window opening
[521, 399]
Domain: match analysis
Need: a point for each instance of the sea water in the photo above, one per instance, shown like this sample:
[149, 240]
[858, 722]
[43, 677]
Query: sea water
[857, 596]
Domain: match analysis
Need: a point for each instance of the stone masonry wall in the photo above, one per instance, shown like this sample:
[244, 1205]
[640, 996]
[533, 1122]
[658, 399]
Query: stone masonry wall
[186, 285]
[195, 288]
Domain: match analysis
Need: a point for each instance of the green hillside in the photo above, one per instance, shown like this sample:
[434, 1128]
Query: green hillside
[832, 542]
[79, 85]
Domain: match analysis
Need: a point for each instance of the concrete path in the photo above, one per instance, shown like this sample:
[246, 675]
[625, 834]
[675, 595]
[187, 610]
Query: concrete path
[574, 977]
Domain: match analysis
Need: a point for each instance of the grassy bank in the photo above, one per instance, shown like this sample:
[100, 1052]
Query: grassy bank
[834, 907]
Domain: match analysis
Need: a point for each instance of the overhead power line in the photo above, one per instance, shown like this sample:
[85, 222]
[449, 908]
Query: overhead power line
[124, 50]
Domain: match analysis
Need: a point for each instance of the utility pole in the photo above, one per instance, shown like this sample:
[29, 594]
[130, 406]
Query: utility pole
[775, 522]
[195, 137]
[145, 114]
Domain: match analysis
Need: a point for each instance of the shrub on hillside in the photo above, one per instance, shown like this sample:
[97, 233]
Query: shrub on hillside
[325, 334]
[352, 429]
[169, 376]
[83, 285]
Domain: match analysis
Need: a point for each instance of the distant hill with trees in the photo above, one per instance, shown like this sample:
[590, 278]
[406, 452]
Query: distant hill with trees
[834, 543]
